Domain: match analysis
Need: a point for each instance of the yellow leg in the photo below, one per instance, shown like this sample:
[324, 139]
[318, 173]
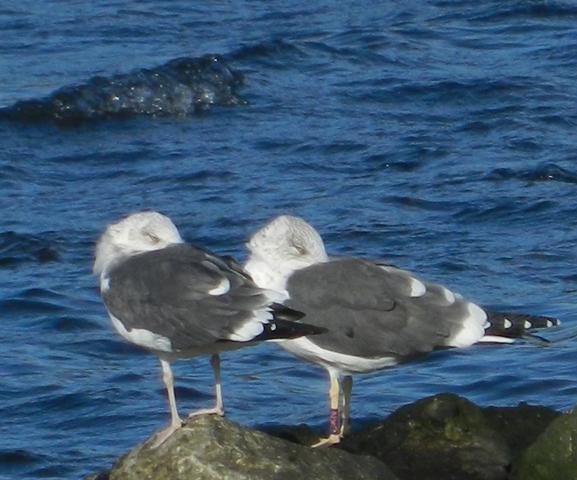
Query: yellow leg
[347, 391]
[218, 408]
[334, 413]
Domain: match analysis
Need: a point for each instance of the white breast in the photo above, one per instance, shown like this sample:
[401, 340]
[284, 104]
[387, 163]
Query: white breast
[346, 364]
[143, 338]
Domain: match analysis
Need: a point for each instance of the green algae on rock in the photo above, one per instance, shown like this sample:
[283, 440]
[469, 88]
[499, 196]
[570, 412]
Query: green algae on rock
[213, 448]
[553, 456]
[521, 425]
[440, 437]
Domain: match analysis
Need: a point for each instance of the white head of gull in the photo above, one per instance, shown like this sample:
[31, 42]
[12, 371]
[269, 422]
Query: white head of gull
[136, 233]
[281, 247]
[178, 301]
[376, 315]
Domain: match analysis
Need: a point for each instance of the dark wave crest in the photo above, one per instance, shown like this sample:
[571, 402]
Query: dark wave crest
[527, 10]
[548, 172]
[16, 249]
[274, 53]
[180, 87]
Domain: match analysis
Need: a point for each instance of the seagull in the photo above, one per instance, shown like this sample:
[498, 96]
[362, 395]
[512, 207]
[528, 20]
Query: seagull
[179, 301]
[376, 315]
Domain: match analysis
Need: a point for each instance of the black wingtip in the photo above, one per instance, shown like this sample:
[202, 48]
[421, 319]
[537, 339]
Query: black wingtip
[516, 325]
[287, 330]
[282, 312]
[286, 325]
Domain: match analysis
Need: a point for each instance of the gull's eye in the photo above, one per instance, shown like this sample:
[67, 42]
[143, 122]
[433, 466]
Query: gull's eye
[152, 237]
[300, 249]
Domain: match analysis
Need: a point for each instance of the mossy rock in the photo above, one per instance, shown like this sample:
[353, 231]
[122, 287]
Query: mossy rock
[553, 456]
[441, 437]
[213, 448]
[521, 425]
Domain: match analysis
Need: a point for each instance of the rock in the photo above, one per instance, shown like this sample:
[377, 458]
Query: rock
[98, 476]
[521, 425]
[301, 434]
[441, 437]
[211, 447]
[553, 456]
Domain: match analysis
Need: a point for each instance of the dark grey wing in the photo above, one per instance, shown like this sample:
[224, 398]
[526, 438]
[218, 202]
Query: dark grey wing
[187, 295]
[375, 311]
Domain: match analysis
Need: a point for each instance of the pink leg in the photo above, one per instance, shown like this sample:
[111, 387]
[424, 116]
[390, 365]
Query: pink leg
[218, 408]
[175, 421]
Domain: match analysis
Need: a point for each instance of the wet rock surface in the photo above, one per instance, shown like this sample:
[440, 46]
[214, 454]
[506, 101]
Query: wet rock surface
[553, 455]
[444, 437]
[519, 426]
[440, 437]
[211, 447]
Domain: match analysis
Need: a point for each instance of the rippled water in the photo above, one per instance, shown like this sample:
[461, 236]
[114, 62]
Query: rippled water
[437, 135]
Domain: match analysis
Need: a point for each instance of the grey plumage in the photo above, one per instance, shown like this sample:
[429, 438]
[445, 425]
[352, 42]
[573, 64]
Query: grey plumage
[369, 310]
[376, 315]
[180, 301]
[166, 292]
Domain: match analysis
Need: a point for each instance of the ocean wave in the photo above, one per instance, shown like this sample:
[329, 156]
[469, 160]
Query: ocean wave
[512, 212]
[274, 51]
[548, 172]
[181, 87]
[527, 10]
[19, 460]
[16, 248]
[418, 203]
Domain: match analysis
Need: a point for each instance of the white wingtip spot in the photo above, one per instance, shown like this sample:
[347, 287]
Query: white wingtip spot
[507, 324]
[549, 323]
[418, 288]
[222, 288]
[449, 296]
[527, 324]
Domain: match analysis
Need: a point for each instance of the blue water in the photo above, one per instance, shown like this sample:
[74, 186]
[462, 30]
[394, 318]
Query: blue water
[437, 135]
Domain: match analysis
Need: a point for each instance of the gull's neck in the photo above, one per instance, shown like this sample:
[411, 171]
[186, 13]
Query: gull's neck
[265, 275]
[274, 275]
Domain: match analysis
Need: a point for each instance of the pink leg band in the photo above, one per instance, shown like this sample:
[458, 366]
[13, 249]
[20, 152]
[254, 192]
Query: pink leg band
[334, 422]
